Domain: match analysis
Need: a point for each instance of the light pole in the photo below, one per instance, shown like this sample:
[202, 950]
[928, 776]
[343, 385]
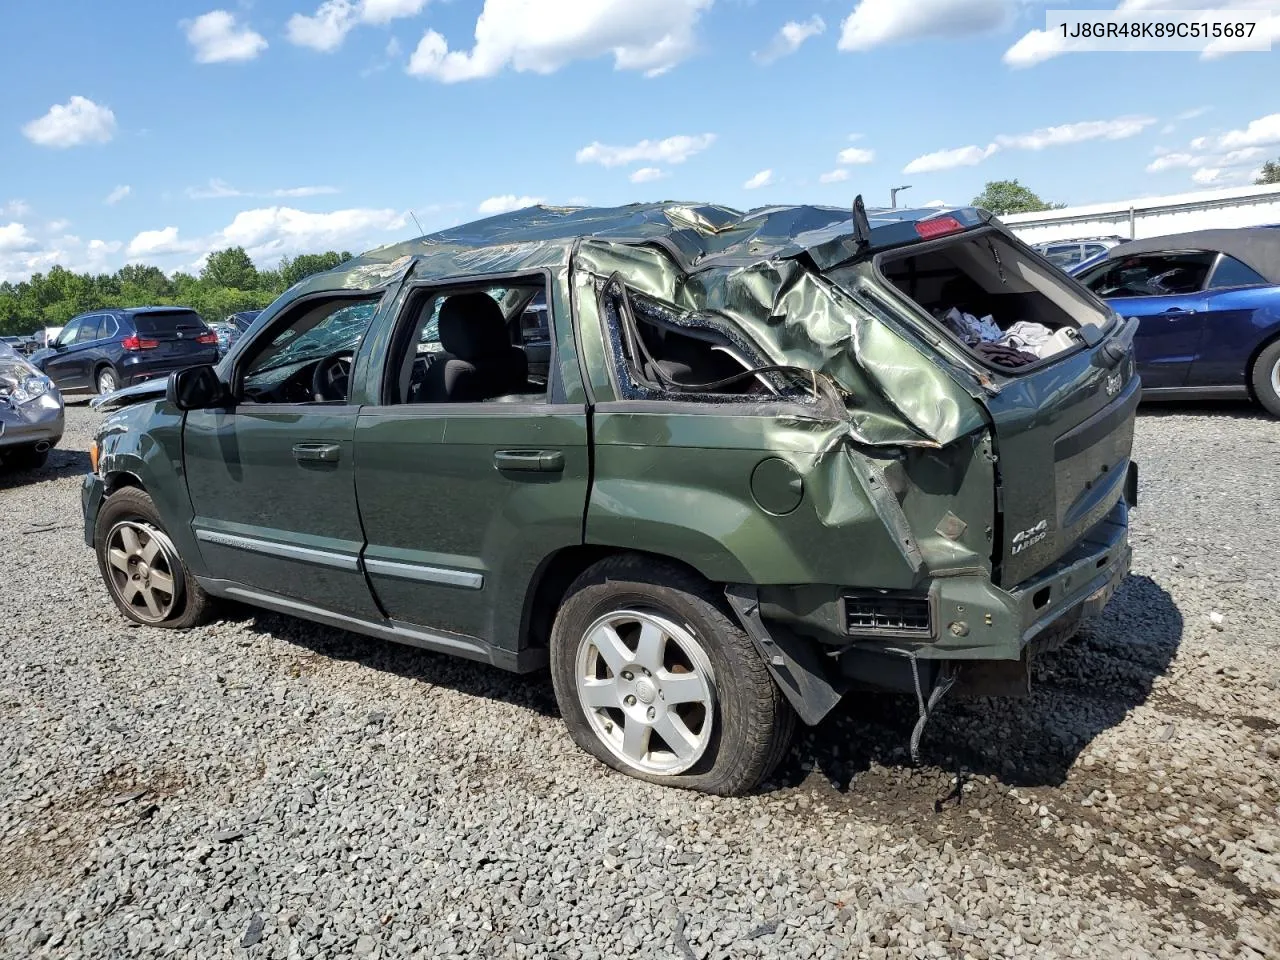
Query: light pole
[893, 196]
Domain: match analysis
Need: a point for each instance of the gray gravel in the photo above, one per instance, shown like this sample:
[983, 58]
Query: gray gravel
[266, 788]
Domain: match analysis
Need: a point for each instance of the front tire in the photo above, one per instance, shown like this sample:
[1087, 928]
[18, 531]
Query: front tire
[107, 381]
[1266, 378]
[141, 567]
[655, 679]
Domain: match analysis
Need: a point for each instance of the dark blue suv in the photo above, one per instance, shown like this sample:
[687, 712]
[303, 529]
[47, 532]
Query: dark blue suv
[108, 349]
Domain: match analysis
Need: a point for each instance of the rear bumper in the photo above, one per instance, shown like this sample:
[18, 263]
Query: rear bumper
[138, 368]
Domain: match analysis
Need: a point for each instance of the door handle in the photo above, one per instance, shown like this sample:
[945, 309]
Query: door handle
[317, 452]
[1176, 312]
[531, 461]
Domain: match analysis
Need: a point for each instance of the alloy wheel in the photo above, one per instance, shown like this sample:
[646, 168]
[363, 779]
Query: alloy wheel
[106, 382]
[1275, 378]
[143, 570]
[647, 689]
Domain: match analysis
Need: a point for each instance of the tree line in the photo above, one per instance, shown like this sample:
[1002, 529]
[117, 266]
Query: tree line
[228, 283]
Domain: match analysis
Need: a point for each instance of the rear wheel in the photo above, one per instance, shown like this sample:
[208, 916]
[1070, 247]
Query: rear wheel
[107, 381]
[655, 679]
[141, 567]
[1266, 378]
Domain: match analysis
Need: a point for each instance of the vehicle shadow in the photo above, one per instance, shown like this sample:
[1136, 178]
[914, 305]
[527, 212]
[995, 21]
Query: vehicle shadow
[1182, 407]
[61, 463]
[530, 691]
[1078, 691]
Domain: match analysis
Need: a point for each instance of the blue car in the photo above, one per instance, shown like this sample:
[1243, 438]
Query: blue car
[1209, 306]
[105, 350]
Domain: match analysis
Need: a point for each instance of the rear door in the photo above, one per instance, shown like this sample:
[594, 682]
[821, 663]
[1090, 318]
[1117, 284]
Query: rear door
[463, 501]
[1164, 291]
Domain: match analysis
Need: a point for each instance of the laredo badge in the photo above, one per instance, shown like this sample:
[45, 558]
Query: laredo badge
[1030, 537]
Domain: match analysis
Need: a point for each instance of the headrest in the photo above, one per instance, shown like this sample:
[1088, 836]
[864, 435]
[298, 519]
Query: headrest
[472, 327]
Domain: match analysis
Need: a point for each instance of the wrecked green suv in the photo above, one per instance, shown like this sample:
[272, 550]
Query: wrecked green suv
[714, 469]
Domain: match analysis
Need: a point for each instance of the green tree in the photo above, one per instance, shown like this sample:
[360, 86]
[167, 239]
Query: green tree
[1002, 197]
[230, 268]
[1270, 173]
[306, 264]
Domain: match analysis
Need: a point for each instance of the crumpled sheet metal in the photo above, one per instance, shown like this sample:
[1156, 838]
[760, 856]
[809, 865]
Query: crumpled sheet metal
[898, 396]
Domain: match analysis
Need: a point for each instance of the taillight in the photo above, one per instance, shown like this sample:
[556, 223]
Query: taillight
[938, 227]
[209, 337]
[137, 343]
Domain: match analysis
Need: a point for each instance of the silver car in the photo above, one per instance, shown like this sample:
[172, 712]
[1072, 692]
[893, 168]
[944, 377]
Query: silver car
[31, 412]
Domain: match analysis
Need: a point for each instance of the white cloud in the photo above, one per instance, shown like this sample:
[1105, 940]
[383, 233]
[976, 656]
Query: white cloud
[1067, 133]
[325, 29]
[14, 237]
[1172, 161]
[676, 149]
[103, 247]
[118, 194]
[217, 189]
[1192, 114]
[1206, 175]
[1261, 132]
[790, 38]
[1057, 136]
[646, 174]
[762, 179]
[876, 22]
[217, 38]
[855, 155]
[16, 209]
[950, 159]
[384, 11]
[506, 203]
[541, 36]
[271, 232]
[57, 226]
[839, 175]
[157, 242]
[70, 124]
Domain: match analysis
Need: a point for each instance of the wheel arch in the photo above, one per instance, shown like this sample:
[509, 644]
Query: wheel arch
[1272, 337]
[557, 572]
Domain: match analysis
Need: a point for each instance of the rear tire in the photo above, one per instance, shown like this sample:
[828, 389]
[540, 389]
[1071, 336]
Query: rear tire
[720, 722]
[141, 568]
[107, 381]
[1266, 378]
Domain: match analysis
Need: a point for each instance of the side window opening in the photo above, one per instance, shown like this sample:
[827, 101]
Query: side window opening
[662, 353]
[466, 345]
[1230, 272]
[307, 357]
[1150, 275]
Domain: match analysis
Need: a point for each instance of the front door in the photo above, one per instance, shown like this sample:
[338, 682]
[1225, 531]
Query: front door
[468, 477]
[66, 367]
[272, 477]
[1164, 291]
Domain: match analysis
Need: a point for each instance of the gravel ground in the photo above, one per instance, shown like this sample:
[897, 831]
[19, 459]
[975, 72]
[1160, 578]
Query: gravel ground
[266, 788]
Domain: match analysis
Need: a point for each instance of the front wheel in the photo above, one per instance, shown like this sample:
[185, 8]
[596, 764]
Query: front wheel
[1266, 378]
[141, 567]
[655, 679]
[107, 381]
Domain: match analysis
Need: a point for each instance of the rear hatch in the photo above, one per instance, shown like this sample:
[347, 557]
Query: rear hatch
[1063, 422]
[175, 333]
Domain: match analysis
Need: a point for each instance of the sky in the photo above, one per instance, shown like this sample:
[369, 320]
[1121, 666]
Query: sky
[151, 132]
